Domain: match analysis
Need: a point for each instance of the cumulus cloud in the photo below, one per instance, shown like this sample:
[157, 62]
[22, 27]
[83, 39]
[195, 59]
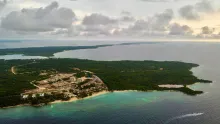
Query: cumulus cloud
[140, 25]
[193, 12]
[70, 32]
[98, 19]
[155, 25]
[127, 19]
[207, 30]
[82, 30]
[188, 12]
[98, 25]
[177, 29]
[59, 21]
[125, 13]
[160, 21]
[102, 25]
[204, 6]
[39, 19]
[138, 28]
[159, 0]
[97, 30]
[2, 4]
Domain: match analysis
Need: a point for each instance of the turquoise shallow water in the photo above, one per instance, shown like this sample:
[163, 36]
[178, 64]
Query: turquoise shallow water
[122, 107]
[136, 107]
[117, 107]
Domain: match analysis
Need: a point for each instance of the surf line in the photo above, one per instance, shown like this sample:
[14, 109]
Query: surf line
[183, 116]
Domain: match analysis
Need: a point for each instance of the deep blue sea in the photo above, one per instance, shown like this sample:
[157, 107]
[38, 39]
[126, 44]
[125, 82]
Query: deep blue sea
[136, 107]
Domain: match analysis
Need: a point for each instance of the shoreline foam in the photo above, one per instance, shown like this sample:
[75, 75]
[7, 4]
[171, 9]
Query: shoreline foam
[76, 99]
[171, 86]
[60, 101]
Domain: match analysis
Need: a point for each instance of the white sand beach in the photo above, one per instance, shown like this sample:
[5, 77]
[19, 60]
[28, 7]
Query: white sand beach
[170, 86]
[75, 99]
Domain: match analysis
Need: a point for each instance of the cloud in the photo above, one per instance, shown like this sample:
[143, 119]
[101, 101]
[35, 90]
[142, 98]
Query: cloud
[96, 30]
[140, 25]
[91, 25]
[204, 6]
[82, 30]
[70, 32]
[98, 19]
[3, 4]
[188, 12]
[103, 25]
[155, 25]
[39, 19]
[98, 25]
[177, 29]
[160, 21]
[127, 19]
[207, 30]
[58, 21]
[193, 12]
[159, 0]
[126, 13]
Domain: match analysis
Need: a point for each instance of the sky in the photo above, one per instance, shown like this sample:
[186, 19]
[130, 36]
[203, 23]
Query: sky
[110, 19]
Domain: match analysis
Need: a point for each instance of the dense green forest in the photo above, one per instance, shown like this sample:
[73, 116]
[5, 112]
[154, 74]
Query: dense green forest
[117, 75]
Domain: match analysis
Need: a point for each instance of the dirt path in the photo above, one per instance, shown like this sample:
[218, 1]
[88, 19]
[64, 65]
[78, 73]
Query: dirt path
[13, 70]
[32, 83]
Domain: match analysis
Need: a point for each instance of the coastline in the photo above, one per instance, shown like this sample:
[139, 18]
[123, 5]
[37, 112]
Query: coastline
[76, 99]
[60, 101]
[93, 95]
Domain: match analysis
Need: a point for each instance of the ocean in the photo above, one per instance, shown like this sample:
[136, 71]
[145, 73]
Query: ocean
[132, 107]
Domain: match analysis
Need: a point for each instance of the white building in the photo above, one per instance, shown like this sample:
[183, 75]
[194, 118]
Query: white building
[41, 94]
[34, 95]
[25, 96]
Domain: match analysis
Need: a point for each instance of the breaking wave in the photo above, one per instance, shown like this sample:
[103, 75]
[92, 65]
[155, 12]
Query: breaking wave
[183, 116]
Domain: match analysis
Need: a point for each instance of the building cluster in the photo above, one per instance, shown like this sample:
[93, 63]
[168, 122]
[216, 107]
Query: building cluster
[67, 84]
[25, 96]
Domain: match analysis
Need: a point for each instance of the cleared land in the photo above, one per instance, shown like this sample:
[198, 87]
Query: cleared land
[13, 70]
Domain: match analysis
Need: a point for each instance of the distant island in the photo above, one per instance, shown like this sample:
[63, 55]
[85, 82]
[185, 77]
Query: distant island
[39, 82]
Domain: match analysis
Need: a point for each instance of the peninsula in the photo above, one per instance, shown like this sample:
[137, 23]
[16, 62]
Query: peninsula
[39, 82]
[49, 51]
